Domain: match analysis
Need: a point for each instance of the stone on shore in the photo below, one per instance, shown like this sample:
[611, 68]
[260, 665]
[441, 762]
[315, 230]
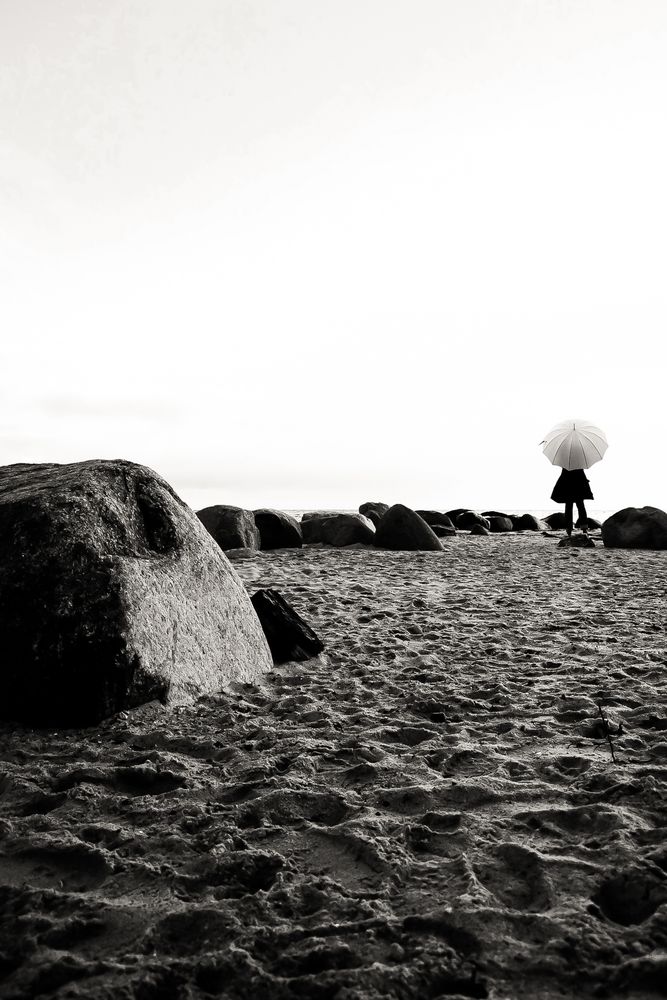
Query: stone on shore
[374, 507]
[442, 531]
[465, 520]
[402, 529]
[556, 521]
[500, 522]
[347, 529]
[338, 530]
[288, 635]
[278, 530]
[576, 542]
[434, 517]
[232, 527]
[636, 528]
[479, 529]
[113, 594]
[525, 522]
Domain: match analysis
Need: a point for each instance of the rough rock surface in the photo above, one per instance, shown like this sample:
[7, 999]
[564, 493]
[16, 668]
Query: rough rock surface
[232, 527]
[112, 593]
[636, 528]
[278, 530]
[288, 635]
[402, 529]
[466, 520]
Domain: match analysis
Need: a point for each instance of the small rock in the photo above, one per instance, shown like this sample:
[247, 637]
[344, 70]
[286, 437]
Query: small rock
[288, 635]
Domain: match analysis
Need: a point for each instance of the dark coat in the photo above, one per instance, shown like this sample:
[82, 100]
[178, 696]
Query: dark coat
[572, 486]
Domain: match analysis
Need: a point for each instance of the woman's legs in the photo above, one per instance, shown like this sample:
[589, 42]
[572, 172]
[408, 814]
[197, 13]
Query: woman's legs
[583, 516]
[568, 516]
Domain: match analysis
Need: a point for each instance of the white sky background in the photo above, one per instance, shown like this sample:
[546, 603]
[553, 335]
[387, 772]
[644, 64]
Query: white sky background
[314, 252]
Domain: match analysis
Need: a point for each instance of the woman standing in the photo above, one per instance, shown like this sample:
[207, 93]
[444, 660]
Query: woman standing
[572, 487]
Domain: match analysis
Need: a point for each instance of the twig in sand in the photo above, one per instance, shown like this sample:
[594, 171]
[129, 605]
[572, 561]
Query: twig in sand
[607, 730]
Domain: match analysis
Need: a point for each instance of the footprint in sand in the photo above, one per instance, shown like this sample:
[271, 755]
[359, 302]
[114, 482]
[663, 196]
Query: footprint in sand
[516, 876]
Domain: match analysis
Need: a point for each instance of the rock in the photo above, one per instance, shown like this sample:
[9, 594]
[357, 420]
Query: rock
[636, 528]
[500, 522]
[402, 529]
[287, 634]
[479, 529]
[591, 524]
[347, 529]
[433, 517]
[556, 521]
[466, 520]
[373, 516]
[494, 513]
[442, 531]
[374, 505]
[525, 522]
[310, 515]
[453, 514]
[338, 530]
[232, 527]
[576, 542]
[113, 594]
[278, 530]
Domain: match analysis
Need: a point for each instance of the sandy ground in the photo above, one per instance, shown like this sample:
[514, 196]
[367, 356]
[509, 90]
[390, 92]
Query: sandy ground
[429, 809]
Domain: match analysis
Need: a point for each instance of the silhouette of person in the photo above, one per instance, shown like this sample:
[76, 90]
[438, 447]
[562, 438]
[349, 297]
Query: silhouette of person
[572, 487]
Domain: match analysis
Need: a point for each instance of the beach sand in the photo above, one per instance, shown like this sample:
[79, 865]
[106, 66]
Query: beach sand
[428, 809]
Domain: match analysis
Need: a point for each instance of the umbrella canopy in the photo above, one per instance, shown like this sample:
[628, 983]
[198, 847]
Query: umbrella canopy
[575, 444]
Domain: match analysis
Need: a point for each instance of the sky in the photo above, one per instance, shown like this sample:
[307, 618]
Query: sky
[307, 253]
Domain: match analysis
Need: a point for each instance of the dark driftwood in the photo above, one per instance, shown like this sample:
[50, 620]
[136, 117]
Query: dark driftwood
[287, 634]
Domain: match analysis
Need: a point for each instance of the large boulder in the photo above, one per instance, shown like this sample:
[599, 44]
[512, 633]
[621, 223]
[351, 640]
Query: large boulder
[636, 528]
[113, 593]
[347, 529]
[232, 527]
[465, 520]
[479, 529]
[338, 529]
[434, 517]
[402, 529]
[278, 530]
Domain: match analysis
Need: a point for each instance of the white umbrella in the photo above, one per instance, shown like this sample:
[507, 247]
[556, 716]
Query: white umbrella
[575, 444]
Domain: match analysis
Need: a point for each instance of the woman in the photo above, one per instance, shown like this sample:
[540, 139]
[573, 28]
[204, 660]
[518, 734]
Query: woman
[573, 487]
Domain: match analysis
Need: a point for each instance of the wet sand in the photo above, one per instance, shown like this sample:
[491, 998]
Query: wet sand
[428, 809]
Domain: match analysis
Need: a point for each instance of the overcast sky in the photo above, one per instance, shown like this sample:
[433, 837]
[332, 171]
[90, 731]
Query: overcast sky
[314, 252]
